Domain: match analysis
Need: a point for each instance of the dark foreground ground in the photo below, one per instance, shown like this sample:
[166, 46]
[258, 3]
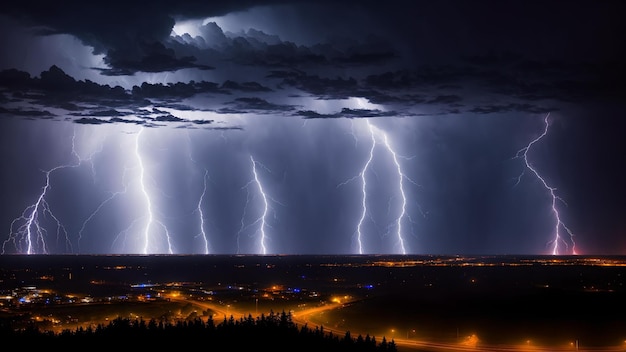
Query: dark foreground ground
[545, 301]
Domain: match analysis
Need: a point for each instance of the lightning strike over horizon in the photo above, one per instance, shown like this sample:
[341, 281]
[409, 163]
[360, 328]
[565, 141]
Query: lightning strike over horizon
[201, 213]
[364, 190]
[147, 236]
[262, 219]
[32, 233]
[401, 178]
[376, 134]
[199, 210]
[557, 237]
[102, 204]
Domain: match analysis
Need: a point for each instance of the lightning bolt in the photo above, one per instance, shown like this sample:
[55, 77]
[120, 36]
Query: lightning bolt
[100, 206]
[401, 178]
[364, 212]
[113, 195]
[27, 232]
[198, 209]
[201, 213]
[377, 134]
[262, 219]
[557, 237]
[31, 233]
[147, 236]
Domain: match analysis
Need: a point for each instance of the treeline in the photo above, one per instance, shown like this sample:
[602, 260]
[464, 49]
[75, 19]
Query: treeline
[276, 332]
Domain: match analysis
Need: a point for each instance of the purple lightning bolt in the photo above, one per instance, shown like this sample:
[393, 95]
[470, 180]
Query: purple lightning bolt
[557, 238]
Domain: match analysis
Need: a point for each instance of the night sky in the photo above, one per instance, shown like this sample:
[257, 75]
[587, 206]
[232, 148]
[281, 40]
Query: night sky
[313, 127]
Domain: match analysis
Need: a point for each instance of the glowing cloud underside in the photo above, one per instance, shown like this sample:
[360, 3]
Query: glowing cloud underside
[557, 238]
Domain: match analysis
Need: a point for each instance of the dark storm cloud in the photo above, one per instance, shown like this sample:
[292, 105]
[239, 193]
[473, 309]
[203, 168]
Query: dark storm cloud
[26, 112]
[91, 121]
[148, 122]
[445, 99]
[379, 53]
[155, 58]
[248, 104]
[422, 76]
[108, 113]
[346, 113]
[57, 84]
[256, 48]
[180, 90]
[233, 128]
[408, 89]
[120, 120]
[249, 51]
[134, 36]
[159, 115]
[516, 85]
[168, 118]
[321, 87]
[176, 90]
[560, 80]
[129, 33]
[395, 89]
[56, 89]
[99, 121]
[513, 78]
[245, 86]
[89, 101]
[377, 97]
[491, 109]
[202, 122]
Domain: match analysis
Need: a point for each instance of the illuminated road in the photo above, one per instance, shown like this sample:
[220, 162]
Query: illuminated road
[227, 310]
[302, 317]
[219, 309]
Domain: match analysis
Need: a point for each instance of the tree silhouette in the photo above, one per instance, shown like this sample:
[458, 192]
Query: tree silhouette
[275, 331]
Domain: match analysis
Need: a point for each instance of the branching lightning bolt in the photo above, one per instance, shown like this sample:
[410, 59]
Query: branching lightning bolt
[150, 217]
[30, 236]
[401, 178]
[557, 238]
[359, 230]
[100, 206]
[31, 233]
[262, 219]
[378, 133]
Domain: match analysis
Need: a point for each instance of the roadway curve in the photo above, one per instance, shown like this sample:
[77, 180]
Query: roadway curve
[302, 317]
